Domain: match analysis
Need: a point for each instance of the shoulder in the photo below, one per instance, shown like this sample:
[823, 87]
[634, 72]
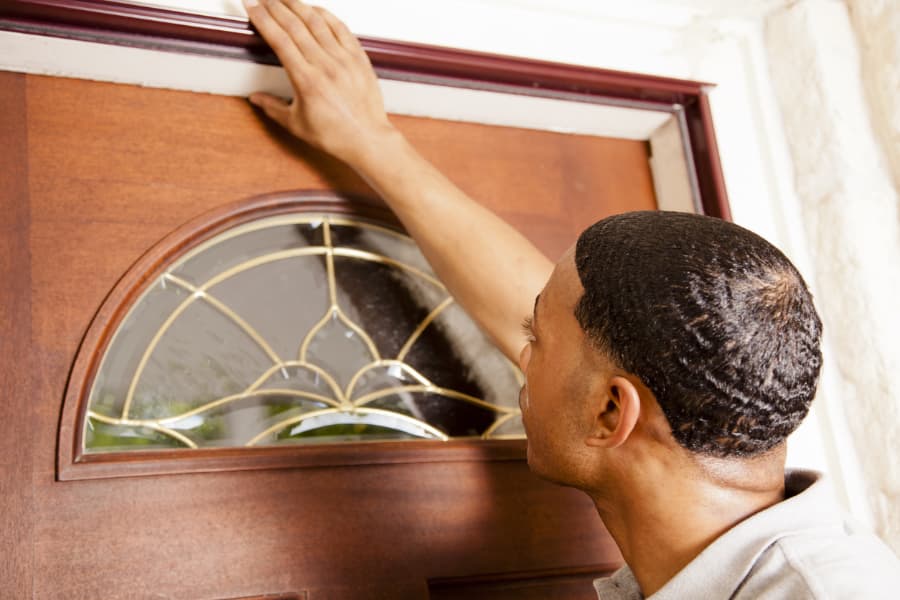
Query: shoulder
[833, 561]
[804, 547]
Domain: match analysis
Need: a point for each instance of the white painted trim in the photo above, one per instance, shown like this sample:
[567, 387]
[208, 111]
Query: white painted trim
[88, 60]
[672, 182]
[513, 110]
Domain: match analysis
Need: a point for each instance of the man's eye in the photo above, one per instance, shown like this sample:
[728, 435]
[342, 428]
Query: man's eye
[528, 329]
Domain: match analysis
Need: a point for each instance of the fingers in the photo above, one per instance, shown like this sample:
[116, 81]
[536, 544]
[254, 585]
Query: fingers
[341, 33]
[275, 108]
[279, 39]
[298, 31]
[305, 26]
[336, 93]
[316, 26]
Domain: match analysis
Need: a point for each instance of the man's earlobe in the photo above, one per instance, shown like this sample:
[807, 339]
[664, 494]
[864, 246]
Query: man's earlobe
[617, 415]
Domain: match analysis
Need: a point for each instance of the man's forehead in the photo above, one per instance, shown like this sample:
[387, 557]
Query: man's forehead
[554, 307]
[564, 286]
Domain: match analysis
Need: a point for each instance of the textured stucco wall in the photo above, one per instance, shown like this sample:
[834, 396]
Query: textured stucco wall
[849, 201]
[877, 27]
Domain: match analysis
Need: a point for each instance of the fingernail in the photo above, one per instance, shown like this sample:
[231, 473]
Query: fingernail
[250, 3]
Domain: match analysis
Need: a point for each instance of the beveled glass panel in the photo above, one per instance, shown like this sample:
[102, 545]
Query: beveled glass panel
[282, 300]
[246, 243]
[203, 356]
[300, 378]
[378, 377]
[377, 239]
[454, 416]
[240, 421]
[355, 427]
[339, 348]
[387, 302]
[304, 328]
[454, 353]
[112, 437]
[145, 319]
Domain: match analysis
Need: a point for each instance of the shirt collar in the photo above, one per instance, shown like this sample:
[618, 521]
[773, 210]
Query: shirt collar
[621, 585]
[719, 570]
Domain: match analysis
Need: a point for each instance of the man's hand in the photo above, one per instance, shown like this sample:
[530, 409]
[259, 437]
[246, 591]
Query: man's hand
[488, 267]
[337, 104]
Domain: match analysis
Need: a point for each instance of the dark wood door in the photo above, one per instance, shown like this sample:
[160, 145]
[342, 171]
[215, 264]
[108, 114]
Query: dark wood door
[94, 174]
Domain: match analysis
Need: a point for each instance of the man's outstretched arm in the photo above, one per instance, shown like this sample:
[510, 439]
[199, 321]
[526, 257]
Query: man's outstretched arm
[489, 267]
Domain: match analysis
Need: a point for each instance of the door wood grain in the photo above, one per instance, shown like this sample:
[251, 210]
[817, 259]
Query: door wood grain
[94, 174]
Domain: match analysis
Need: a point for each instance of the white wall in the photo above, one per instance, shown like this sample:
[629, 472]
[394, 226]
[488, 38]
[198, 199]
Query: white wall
[842, 142]
[803, 164]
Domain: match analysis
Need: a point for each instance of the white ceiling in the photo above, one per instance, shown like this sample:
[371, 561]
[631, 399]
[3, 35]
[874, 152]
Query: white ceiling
[677, 9]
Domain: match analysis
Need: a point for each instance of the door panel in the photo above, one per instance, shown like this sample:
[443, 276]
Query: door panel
[15, 339]
[112, 169]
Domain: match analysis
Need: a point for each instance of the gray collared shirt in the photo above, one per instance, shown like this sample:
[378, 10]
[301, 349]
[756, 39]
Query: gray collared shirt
[802, 547]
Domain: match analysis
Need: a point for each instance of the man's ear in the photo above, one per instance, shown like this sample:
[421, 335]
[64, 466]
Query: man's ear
[616, 414]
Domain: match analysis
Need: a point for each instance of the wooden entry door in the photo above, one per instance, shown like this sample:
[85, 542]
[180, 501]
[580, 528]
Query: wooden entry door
[91, 176]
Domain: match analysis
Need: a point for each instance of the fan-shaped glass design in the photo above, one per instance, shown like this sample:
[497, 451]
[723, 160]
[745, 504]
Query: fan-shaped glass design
[302, 328]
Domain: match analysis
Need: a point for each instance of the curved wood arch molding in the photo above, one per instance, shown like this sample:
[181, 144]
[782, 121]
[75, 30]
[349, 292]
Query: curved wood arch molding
[125, 23]
[73, 463]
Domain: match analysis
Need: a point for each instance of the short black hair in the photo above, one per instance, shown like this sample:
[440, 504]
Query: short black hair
[712, 318]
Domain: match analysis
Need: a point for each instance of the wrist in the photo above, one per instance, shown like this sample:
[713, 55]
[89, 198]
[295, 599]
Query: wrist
[373, 154]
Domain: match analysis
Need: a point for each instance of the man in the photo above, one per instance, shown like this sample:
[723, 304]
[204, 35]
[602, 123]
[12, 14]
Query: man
[668, 356]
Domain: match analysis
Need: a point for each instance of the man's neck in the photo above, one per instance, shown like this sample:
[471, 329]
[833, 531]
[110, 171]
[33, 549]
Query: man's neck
[668, 515]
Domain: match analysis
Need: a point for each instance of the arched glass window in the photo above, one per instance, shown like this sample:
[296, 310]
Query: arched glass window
[297, 328]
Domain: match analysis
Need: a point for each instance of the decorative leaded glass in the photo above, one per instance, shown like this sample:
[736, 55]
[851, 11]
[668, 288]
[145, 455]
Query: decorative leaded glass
[299, 329]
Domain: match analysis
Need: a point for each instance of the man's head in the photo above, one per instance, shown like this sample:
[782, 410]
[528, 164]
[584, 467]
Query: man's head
[714, 320]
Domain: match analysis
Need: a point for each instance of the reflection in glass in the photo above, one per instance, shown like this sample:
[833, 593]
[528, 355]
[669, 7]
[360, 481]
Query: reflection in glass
[339, 348]
[298, 329]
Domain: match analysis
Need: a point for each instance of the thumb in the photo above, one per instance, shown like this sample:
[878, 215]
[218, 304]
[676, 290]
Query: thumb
[275, 108]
